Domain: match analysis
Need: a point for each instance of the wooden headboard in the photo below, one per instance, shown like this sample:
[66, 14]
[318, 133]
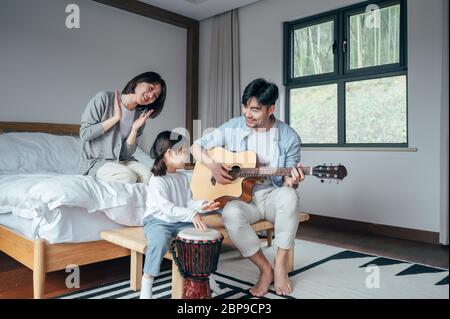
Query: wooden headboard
[51, 128]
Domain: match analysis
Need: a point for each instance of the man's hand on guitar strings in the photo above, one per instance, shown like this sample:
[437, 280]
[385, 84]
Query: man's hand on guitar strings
[220, 173]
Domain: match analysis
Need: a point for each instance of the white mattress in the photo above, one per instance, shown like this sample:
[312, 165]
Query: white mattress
[65, 225]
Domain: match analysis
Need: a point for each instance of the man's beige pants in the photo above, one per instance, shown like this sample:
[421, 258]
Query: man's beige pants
[277, 205]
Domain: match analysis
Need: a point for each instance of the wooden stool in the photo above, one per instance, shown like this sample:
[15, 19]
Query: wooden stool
[133, 238]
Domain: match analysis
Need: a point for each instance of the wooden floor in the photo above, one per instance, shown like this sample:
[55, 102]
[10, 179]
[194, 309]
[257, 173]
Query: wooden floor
[16, 280]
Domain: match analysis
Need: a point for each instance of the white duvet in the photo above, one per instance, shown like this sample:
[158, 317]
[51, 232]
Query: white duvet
[37, 176]
[31, 196]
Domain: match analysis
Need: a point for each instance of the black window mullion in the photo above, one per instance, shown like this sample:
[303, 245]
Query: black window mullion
[340, 44]
[347, 78]
[345, 37]
[287, 54]
[341, 113]
[404, 34]
[287, 98]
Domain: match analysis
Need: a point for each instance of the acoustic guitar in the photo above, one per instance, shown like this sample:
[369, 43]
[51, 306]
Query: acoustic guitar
[245, 173]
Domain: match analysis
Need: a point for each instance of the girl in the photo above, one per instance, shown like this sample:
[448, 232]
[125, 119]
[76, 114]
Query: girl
[111, 124]
[171, 207]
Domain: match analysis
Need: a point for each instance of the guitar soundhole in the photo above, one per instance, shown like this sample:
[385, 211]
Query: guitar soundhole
[235, 172]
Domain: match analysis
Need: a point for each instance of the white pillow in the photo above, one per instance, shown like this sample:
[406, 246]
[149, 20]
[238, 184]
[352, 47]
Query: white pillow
[43, 153]
[39, 152]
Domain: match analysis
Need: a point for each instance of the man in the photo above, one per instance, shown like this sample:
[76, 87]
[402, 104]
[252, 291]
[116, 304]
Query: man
[275, 198]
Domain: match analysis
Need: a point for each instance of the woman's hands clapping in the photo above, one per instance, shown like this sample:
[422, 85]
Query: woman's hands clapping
[141, 120]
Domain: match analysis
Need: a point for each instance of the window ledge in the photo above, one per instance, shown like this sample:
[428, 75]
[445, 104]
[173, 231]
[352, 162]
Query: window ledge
[360, 149]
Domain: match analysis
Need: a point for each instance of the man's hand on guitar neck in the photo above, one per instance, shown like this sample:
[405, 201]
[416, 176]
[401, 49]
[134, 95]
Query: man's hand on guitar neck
[296, 177]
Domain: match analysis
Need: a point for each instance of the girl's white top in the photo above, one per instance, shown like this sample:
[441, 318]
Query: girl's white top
[171, 198]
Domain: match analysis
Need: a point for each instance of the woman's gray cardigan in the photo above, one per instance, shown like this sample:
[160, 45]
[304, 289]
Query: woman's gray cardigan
[99, 147]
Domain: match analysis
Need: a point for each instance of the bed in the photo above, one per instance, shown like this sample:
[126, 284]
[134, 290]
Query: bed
[65, 230]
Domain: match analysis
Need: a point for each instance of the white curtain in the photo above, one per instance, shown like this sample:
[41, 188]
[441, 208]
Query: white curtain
[444, 133]
[224, 86]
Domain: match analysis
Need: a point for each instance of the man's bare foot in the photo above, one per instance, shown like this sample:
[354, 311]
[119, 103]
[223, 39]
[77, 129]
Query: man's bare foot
[264, 282]
[282, 285]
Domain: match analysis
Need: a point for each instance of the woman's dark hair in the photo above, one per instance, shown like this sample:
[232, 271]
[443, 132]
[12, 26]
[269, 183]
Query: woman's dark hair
[163, 142]
[151, 78]
[266, 93]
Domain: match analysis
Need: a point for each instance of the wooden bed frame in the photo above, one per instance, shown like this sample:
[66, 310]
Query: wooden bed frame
[38, 255]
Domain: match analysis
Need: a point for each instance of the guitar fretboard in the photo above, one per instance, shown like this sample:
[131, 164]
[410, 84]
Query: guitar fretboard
[270, 171]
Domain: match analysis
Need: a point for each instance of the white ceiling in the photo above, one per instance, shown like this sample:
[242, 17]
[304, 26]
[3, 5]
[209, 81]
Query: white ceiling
[198, 9]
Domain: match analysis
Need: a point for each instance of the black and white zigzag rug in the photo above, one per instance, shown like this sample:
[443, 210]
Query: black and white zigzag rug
[320, 271]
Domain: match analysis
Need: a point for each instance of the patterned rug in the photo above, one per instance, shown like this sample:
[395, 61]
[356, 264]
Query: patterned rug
[320, 271]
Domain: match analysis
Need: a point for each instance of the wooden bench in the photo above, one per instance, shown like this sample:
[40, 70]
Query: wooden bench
[133, 238]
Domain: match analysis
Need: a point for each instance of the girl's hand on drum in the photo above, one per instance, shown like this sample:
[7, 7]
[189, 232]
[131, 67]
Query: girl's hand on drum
[210, 206]
[199, 223]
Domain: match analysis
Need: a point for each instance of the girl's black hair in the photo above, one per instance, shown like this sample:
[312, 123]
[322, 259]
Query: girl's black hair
[164, 141]
[151, 78]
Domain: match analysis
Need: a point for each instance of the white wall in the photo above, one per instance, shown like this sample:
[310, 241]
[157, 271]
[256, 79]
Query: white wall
[48, 73]
[390, 188]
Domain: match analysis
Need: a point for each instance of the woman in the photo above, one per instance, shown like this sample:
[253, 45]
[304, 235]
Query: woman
[111, 124]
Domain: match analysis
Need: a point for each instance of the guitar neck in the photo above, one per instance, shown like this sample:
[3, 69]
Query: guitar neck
[271, 171]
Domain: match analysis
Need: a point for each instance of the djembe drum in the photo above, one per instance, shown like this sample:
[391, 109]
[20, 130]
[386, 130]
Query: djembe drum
[196, 253]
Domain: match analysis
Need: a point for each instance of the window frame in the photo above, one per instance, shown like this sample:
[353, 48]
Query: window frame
[342, 74]
[307, 23]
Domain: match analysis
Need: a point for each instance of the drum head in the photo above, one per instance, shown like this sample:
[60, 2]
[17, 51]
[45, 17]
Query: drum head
[198, 234]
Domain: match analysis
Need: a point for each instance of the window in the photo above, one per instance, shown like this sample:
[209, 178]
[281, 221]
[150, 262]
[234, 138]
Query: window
[345, 74]
[374, 37]
[314, 113]
[313, 49]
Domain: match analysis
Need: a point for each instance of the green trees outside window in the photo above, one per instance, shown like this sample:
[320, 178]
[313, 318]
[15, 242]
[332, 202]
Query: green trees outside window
[345, 73]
